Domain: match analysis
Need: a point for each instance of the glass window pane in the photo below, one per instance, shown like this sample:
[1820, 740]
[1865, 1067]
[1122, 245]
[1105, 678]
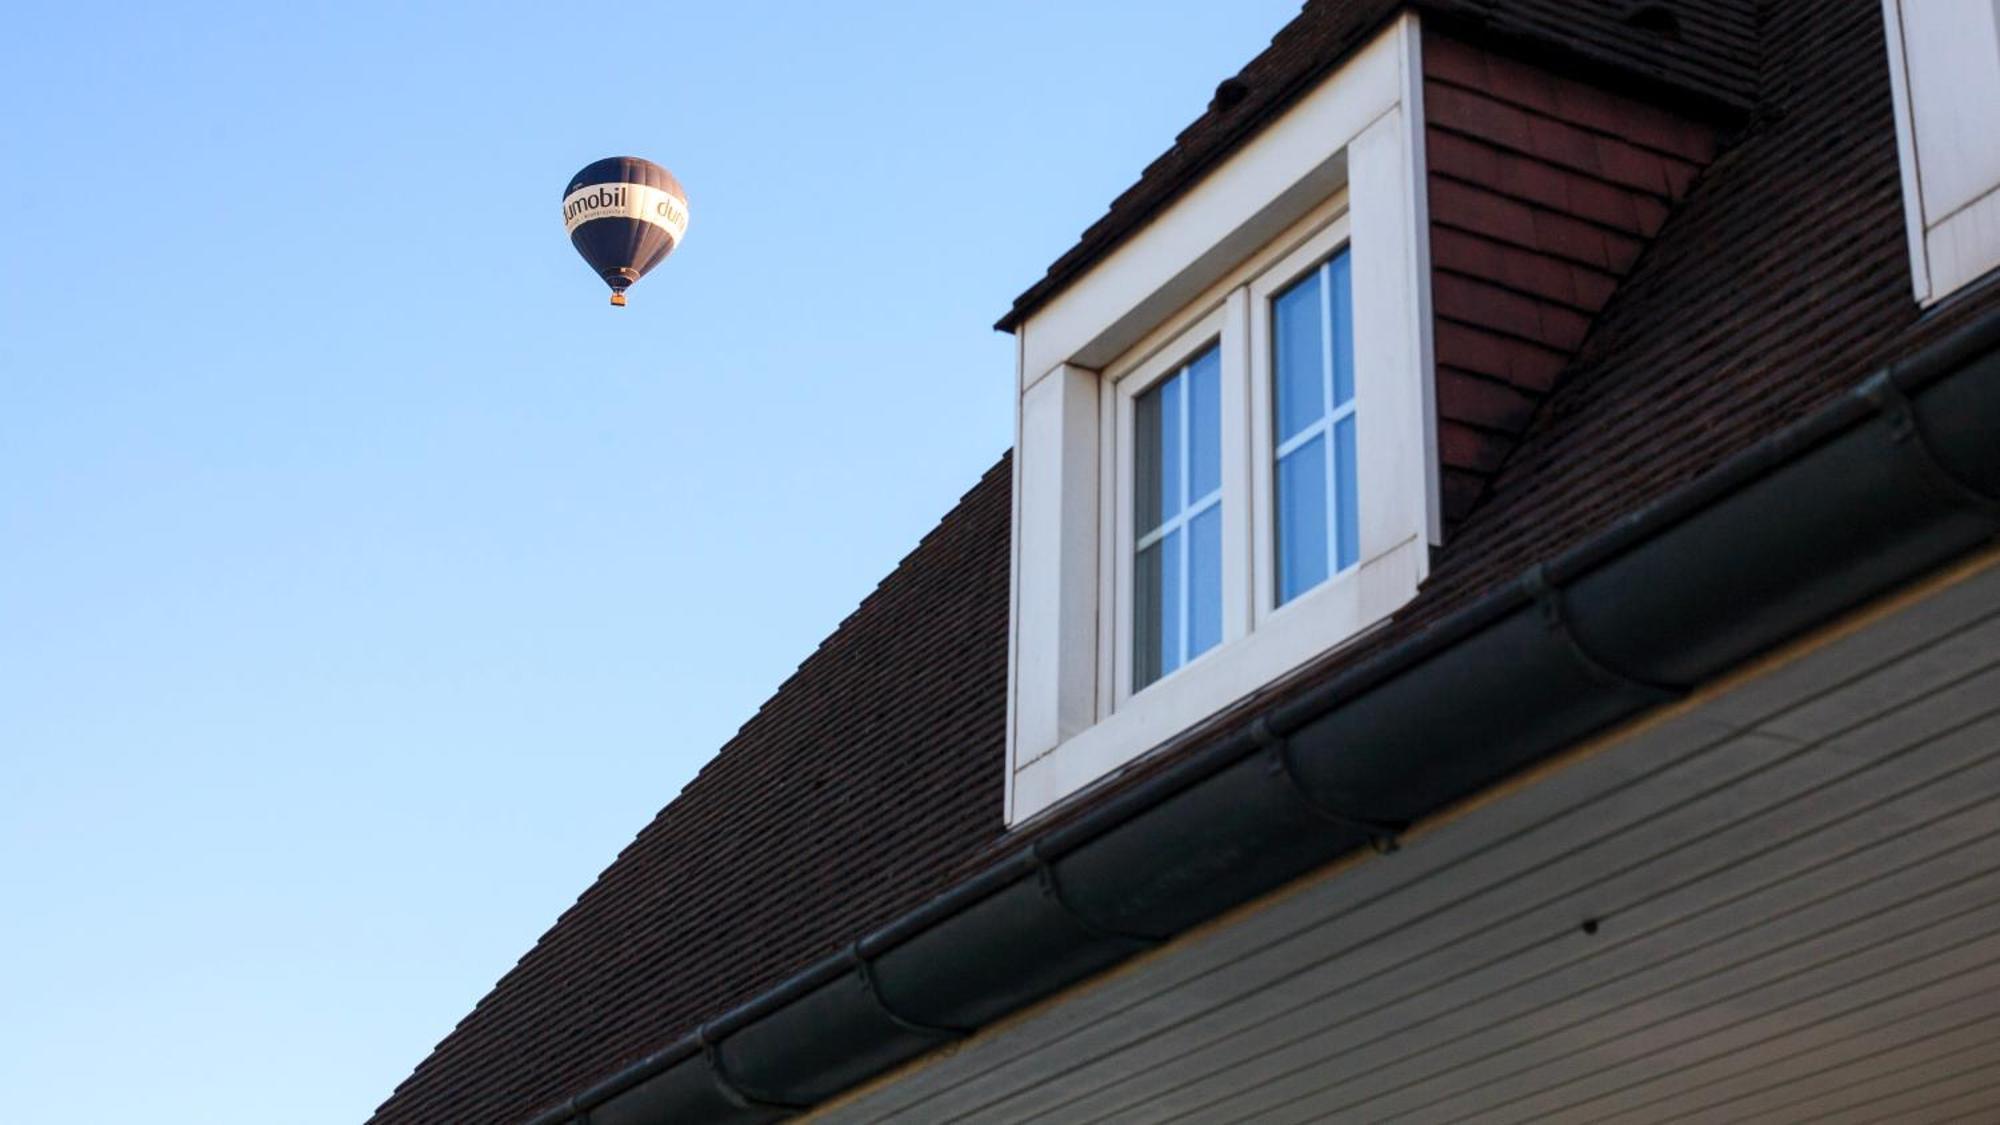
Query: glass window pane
[1298, 360]
[1204, 377]
[1157, 593]
[1204, 618]
[1347, 509]
[1301, 503]
[1155, 458]
[1148, 603]
[1343, 329]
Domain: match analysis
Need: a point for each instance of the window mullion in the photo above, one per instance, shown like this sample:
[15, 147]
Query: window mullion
[1186, 381]
[1327, 389]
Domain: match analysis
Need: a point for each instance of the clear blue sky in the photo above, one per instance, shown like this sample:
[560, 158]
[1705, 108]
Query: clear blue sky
[365, 581]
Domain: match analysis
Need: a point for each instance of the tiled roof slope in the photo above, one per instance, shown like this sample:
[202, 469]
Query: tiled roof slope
[1708, 59]
[1780, 281]
[848, 797]
[1544, 192]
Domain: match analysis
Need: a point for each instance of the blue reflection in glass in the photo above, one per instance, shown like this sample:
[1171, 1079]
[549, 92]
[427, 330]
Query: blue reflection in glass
[1298, 356]
[1302, 525]
[1347, 508]
[1170, 605]
[1204, 378]
[1204, 581]
[1343, 329]
[1149, 603]
[1146, 440]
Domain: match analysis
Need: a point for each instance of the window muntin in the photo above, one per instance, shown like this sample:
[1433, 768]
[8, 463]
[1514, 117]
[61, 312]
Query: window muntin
[1315, 518]
[1177, 518]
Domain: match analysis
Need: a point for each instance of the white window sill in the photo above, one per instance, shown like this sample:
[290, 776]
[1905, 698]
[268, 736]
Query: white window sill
[1325, 619]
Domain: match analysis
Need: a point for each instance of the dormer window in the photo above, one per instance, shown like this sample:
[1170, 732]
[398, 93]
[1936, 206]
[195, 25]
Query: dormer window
[1224, 462]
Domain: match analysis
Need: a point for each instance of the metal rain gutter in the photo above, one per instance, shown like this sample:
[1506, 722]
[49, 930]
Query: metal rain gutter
[1896, 478]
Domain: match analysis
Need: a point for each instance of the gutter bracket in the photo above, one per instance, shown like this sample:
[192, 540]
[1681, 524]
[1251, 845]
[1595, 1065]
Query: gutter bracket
[1881, 392]
[874, 987]
[1548, 598]
[729, 1087]
[577, 1113]
[1383, 835]
[1045, 874]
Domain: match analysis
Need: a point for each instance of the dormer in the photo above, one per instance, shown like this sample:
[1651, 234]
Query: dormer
[1245, 422]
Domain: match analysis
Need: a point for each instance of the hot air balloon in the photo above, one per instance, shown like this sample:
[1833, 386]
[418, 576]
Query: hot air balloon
[624, 215]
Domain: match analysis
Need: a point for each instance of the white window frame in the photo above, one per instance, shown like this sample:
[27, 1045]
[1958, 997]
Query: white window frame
[1260, 640]
[1249, 511]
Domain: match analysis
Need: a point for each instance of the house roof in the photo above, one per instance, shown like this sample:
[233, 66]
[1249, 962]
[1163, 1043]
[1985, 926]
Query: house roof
[871, 781]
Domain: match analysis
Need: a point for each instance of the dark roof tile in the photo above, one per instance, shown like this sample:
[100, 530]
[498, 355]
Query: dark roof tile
[848, 797]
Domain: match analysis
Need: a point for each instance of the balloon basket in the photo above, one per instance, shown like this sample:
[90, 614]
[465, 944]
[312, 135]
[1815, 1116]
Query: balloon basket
[618, 300]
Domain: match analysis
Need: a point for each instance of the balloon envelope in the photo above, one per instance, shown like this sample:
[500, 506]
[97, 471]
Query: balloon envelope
[624, 215]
